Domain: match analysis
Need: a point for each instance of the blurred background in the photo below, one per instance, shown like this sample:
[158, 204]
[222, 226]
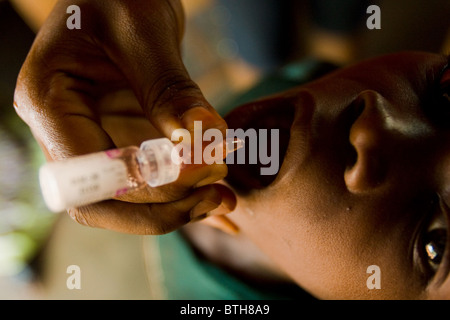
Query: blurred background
[229, 46]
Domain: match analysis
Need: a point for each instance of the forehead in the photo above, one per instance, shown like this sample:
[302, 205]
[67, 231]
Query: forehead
[406, 81]
[414, 63]
[391, 72]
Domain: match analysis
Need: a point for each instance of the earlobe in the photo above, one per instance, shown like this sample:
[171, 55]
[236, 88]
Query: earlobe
[221, 222]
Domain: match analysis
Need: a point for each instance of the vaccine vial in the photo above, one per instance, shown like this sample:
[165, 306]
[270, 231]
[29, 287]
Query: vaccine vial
[104, 175]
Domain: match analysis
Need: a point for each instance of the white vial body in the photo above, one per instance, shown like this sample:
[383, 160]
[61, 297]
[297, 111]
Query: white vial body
[104, 175]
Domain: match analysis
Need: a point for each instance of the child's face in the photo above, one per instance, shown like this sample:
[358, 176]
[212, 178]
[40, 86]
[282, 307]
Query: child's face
[365, 180]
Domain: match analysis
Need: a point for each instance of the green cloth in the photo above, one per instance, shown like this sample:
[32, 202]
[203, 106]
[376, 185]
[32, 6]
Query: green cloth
[290, 76]
[189, 277]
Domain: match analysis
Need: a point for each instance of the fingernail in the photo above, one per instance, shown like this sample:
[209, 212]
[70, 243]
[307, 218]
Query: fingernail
[223, 223]
[207, 118]
[202, 208]
[220, 210]
[229, 227]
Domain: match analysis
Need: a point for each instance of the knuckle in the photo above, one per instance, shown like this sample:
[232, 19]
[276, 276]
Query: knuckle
[172, 84]
[82, 216]
[22, 99]
[163, 218]
[159, 229]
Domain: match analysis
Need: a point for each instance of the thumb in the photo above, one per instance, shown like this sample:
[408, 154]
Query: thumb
[150, 59]
[176, 102]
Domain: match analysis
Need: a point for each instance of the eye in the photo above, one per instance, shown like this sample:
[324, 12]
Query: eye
[432, 243]
[444, 85]
[437, 107]
[434, 246]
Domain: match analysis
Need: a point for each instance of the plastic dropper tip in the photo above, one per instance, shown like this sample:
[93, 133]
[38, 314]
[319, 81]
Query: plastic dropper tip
[234, 144]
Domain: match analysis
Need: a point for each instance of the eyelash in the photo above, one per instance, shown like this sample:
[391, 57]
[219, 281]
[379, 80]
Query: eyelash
[440, 96]
[432, 225]
[428, 267]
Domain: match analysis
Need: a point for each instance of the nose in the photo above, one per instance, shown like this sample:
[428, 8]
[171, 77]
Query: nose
[369, 136]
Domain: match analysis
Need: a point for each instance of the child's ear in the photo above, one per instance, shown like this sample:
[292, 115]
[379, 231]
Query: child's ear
[221, 222]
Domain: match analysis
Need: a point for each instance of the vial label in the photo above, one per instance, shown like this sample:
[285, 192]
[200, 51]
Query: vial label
[85, 180]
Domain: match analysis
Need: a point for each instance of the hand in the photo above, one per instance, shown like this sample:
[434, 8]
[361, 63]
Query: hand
[117, 81]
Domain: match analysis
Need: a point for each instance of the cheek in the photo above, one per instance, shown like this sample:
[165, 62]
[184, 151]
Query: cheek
[299, 248]
[295, 225]
[324, 243]
[314, 231]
